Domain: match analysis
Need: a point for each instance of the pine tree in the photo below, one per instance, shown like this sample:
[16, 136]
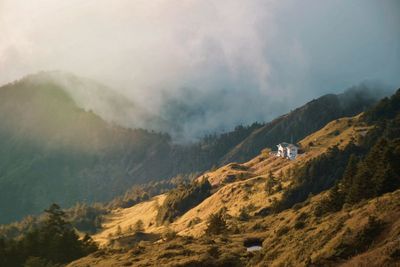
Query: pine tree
[361, 185]
[386, 177]
[55, 222]
[216, 224]
[335, 198]
[349, 174]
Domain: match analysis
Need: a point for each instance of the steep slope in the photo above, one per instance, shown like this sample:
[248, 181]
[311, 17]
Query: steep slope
[299, 123]
[53, 151]
[240, 185]
[54, 148]
[252, 215]
[295, 237]
[355, 223]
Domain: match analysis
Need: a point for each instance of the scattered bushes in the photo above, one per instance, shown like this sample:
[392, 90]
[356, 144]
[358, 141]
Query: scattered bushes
[180, 200]
[86, 218]
[361, 241]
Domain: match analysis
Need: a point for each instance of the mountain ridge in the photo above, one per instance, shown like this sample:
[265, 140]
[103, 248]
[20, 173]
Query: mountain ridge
[324, 229]
[53, 151]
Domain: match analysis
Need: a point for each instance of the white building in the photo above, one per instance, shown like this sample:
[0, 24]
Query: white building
[286, 150]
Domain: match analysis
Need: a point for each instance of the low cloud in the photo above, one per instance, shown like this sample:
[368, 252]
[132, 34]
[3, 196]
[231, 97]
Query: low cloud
[220, 63]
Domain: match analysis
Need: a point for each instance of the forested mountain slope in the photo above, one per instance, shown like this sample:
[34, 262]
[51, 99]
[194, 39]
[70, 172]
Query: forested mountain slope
[304, 120]
[280, 206]
[54, 149]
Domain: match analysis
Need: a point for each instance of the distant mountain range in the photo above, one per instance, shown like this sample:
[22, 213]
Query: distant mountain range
[55, 148]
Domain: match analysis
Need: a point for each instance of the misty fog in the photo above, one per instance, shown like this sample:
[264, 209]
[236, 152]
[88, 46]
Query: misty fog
[202, 65]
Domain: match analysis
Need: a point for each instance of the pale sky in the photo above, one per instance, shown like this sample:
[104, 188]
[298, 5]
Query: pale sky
[259, 58]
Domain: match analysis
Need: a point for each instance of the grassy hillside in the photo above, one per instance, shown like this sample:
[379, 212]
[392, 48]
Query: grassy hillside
[337, 203]
[303, 121]
[328, 229]
[363, 235]
[241, 186]
[52, 149]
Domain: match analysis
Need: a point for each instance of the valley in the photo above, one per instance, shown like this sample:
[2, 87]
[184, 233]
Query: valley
[53, 150]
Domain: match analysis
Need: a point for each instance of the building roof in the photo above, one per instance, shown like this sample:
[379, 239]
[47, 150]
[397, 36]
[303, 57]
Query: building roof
[284, 144]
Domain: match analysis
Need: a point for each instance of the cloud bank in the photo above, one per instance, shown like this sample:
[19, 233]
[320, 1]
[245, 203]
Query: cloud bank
[209, 64]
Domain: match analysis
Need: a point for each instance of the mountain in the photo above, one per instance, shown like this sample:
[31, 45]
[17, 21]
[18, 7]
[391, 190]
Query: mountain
[238, 186]
[337, 203]
[246, 220]
[363, 235]
[52, 150]
[59, 144]
[304, 120]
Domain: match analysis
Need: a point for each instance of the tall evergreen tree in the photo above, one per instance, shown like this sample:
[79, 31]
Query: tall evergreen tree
[335, 198]
[349, 173]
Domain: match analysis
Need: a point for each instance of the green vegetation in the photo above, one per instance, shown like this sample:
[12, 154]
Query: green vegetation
[138, 227]
[216, 224]
[182, 199]
[54, 242]
[386, 109]
[378, 171]
[317, 175]
[143, 192]
[83, 217]
[86, 218]
[52, 150]
[359, 171]
[360, 241]
[305, 234]
[304, 120]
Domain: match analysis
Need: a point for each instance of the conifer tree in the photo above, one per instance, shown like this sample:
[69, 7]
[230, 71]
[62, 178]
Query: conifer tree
[349, 174]
[361, 185]
[335, 198]
[216, 224]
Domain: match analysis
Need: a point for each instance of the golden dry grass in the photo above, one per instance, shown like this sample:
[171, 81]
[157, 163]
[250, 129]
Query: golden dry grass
[233, 194]
[124, 218]
[316, 242]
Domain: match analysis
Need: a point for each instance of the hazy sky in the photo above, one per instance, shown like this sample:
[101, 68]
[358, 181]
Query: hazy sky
[257, 58]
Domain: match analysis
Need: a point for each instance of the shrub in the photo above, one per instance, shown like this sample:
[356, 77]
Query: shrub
[362, 240]
[299, 225]
[118, 231]
[194, 221]
[302, 216]
[213, 251]
[283, 230]
[229, 259]
[37, 262]
[243, 215]
[138, 227]
[297, 206]
[216, 224]
[169, 235]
